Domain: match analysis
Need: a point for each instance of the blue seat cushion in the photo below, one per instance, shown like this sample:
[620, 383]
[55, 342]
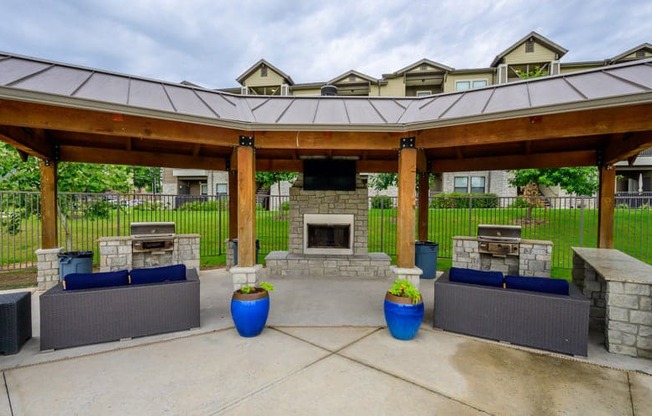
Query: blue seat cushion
[537, 284]
[158, 274]
[476, 277]
[75, 281]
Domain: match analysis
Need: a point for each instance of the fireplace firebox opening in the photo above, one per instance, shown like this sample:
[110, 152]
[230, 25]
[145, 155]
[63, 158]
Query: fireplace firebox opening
[328, 234]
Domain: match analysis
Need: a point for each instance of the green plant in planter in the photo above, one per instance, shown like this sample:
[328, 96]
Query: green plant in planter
[262, 285]
[404, 289]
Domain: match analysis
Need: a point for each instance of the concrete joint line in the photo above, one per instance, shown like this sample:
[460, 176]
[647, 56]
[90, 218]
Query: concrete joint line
[631, 397]
[4, 378]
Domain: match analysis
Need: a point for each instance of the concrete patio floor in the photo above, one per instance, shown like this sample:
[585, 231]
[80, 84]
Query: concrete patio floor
[326, 351]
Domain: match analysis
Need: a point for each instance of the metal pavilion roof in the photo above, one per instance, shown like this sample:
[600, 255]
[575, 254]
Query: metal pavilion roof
[40, 81]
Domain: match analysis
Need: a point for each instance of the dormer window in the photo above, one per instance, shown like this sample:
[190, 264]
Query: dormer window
[529, 46]
[263, 71]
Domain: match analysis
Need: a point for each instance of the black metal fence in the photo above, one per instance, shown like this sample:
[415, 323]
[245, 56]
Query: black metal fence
[83, 218]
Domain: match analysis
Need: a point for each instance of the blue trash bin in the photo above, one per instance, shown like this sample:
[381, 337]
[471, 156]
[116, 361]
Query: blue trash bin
[235, 251]
[75, 262]
[425, 258]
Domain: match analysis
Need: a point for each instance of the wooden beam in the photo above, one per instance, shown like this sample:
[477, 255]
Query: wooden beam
[606, 207]
[424, 192]
[407, 170]
[49, 235]
[288, 165]
[23, 114]
[246, 206]
[626, 146]
[422, 161]
[540, 160]
[563, 125]
[32, 143]
[327, 140]
[136, 158]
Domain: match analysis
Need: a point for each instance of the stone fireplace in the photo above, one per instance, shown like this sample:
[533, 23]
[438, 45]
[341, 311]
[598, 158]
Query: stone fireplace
[328, 235]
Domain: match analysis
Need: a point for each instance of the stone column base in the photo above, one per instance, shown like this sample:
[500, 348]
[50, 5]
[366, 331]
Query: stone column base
[47, 267]
[412, 274]
[245, 275]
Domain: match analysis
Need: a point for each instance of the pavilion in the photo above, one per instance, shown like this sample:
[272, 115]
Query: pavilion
[59, 112]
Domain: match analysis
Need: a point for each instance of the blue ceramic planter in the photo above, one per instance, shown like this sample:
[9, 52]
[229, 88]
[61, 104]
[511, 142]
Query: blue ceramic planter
[403, 317]
[249, 312]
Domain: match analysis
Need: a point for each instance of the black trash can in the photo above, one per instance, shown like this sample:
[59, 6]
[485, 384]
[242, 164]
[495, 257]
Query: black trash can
[75, 262]
[235, 251]
[425, 258]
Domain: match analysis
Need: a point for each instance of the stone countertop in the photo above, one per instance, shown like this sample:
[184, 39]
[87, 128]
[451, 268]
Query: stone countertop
[616, 266]
[523, 240]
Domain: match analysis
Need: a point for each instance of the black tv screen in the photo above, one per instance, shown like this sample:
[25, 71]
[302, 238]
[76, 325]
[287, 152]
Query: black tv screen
[329, 175]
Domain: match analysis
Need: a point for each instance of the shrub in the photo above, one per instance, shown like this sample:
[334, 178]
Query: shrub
[285, 206]
[100, 209]
[205, 206]
[457, 200]
[382, 202]
[520, 202]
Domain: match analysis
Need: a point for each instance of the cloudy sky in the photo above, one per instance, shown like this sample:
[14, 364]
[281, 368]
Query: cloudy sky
[212, 42]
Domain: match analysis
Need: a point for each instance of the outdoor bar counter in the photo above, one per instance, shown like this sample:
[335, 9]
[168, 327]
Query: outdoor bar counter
[620, 289]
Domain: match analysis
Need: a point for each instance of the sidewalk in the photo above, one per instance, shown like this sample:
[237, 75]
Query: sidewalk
[326, 352]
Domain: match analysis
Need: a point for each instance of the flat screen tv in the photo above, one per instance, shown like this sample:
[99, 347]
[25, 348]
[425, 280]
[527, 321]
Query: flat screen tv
[329, 174]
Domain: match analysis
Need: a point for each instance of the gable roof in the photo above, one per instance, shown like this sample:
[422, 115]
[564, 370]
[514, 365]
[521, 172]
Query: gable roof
[418, 64]
[347, 74]
[257, 65]
[643, 46]
[561, 51]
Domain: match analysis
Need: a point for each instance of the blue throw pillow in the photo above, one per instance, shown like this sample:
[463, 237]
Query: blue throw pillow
[537, 284]
[75, 281]
[476, 277]
[158, 274]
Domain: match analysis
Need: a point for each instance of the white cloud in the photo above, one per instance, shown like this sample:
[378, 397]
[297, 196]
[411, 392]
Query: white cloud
[213, 42]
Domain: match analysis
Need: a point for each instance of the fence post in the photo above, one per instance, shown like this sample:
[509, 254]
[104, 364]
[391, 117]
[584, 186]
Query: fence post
[581, 221]
[470, 214]
[118, 220]
[219, 225]
[382, 225]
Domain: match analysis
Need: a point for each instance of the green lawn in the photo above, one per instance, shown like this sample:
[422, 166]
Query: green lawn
[633, 229]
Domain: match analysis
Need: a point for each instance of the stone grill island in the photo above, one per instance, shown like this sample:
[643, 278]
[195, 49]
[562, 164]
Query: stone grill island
[328, 231]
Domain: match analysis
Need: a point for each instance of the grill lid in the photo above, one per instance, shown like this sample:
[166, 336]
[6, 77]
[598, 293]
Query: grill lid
[152, 229]
[499, 233]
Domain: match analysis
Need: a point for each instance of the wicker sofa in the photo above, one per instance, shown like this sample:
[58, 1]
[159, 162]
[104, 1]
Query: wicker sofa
[553, 322]
[72, 318]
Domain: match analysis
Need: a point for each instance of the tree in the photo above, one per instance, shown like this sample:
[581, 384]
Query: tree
[382, 181]
[148, 178]
[579, 180]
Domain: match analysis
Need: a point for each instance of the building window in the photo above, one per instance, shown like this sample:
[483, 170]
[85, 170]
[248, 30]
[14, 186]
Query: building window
[352, 78]
[263, 71]
[424, 93]
[423, 67]
[466, 85]
[203, 189]
[221, 190]
[529, 46]
[461, 184]
[640, 54]
[477, 184]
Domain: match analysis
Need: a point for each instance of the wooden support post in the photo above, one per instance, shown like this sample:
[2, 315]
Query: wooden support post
[407, 168]
[233, 204]
[49, 235]
[246, 206]
[424, 191]
[606, 207]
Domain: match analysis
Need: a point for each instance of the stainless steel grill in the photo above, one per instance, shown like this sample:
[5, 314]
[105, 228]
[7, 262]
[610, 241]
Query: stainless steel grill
[152, 236]
[499, 240]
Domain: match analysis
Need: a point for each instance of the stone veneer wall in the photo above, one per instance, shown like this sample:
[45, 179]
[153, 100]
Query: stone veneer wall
[47, 267]
[329, 202]
[116, 254]
[534, 259]
[623, 310]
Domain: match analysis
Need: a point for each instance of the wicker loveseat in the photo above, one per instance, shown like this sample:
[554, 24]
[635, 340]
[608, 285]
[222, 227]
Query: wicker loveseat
[478, 304]
[156, 302]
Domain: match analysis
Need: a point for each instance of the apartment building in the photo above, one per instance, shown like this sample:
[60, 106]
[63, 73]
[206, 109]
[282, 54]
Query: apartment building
[531, 56]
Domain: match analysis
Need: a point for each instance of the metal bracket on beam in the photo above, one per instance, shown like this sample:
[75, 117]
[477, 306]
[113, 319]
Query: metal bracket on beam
[599, 158]
[429, 166]
[246, 141]
[408, 142]
[56, 152]
[227, 164]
